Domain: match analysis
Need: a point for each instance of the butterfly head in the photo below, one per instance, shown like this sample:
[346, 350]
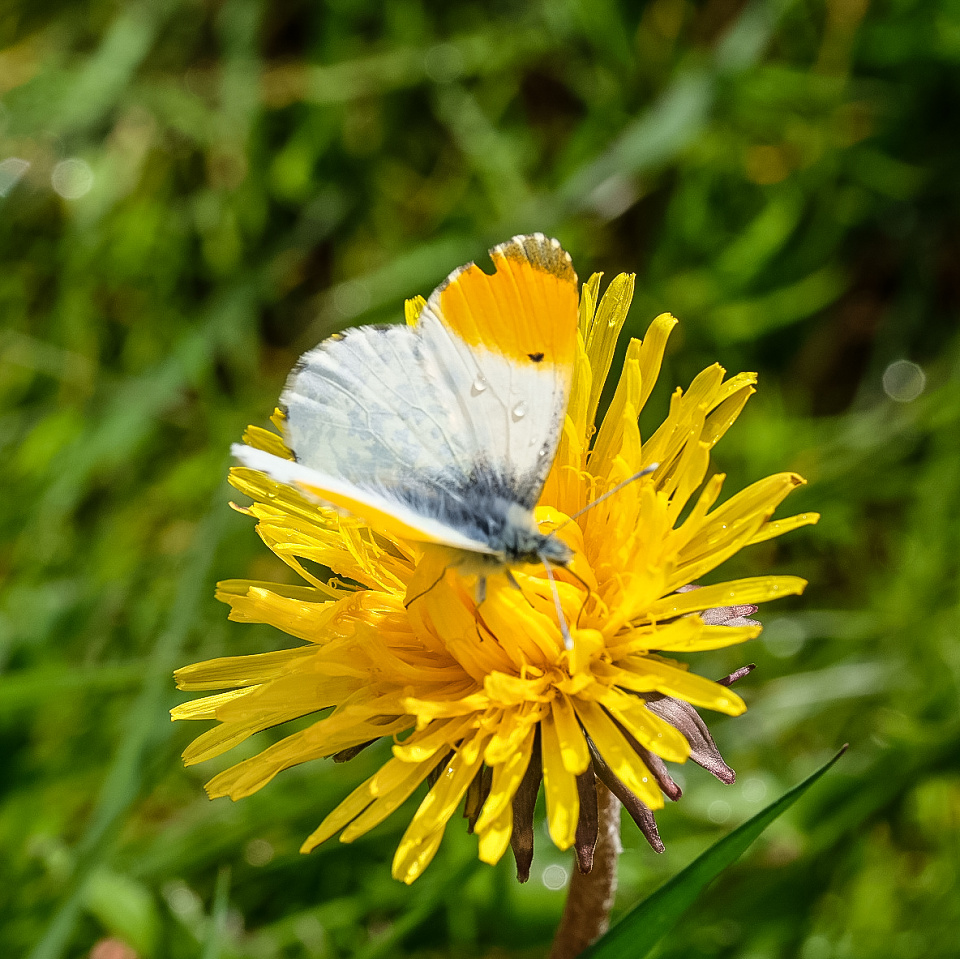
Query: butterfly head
[522, 542]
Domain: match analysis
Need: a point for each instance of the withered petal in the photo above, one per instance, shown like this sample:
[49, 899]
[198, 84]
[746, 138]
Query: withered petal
[585, 841]
[524, 803]
[437, 770]
[737, 674]
[654, 763]
[742, 621]
[477, 793]
[725, 615]
[703, 750]
[639, 812]
[345, 755]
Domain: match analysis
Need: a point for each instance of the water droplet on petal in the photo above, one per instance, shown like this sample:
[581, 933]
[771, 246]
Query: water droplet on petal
[519, 411]
[480, 384]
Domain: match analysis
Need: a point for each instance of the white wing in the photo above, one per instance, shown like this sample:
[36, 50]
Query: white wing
[343, 495]
[449, 421]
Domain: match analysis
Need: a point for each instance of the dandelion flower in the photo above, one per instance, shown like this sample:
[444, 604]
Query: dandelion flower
[485, 704]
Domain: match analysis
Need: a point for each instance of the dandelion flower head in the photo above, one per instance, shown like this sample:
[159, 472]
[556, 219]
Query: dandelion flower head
[485, 703]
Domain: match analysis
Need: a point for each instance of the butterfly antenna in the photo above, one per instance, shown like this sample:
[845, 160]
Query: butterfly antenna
[561, 620]
[630, 479]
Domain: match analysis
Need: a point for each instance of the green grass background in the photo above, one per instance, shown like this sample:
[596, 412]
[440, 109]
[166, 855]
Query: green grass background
[783, 176]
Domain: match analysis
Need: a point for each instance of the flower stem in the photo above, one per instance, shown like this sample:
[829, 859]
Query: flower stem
[586, 915]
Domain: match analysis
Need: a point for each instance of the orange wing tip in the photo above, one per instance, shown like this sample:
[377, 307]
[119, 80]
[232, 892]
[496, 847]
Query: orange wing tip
[527, 310]
[541, 252]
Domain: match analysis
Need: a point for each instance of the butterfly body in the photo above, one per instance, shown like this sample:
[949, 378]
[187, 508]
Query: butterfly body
[444, 431]
[483, 505]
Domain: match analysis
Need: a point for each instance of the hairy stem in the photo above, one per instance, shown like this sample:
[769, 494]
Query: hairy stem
[586, 915]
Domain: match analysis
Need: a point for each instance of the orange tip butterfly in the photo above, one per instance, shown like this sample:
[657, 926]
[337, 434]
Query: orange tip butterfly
[444, 431]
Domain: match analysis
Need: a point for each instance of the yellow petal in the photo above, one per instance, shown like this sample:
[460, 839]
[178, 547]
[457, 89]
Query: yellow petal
[646, 727]
[780, 526]
[230, 671]
[410, 867]
[526, 634]
[617, 753]
[407, 779]
[412, 309]
[512, 729]
[420, 841]
[560, 786]
[506, 779]
[495, 836]
[349, 809]
[671, 636]
[206, 708]
[573, 747]
[603, 332]
[747, 509]
[702, 638]
[269, 442]
[453, 619]
[628, 394]
[738, 592]
[439, 734]
[651, 353]
[723, 416]
[506, 690]
[216, 741]
[682, 684]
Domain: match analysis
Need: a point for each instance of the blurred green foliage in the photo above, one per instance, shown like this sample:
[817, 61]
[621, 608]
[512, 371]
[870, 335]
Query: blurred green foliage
[193, 192]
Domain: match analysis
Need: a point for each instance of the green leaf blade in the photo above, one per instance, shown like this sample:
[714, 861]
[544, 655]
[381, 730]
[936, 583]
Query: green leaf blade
[646, 924]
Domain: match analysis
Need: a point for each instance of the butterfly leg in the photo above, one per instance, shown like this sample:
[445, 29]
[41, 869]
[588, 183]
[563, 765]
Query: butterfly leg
[511, 579]
[480, 593]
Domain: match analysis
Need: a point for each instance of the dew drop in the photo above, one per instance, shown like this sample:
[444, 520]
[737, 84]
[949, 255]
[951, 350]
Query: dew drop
[519, 411]
[479, 384]
[543, 451]
[644, 779]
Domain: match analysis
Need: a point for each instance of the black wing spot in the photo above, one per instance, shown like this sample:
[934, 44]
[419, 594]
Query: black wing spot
[536, 357]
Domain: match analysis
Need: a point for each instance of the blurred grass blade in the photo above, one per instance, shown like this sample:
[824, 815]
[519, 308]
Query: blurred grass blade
[643, 927]
[217, 928]
[425, 906]
[147, 726]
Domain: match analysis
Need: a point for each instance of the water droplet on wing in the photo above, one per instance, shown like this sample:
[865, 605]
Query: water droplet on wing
[519, 411]
[479, 384]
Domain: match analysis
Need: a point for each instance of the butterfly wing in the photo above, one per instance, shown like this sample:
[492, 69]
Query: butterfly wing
[444, 424]
[509, 343]
[385, 513]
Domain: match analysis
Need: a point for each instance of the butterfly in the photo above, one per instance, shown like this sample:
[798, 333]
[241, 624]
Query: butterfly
[444, 431]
